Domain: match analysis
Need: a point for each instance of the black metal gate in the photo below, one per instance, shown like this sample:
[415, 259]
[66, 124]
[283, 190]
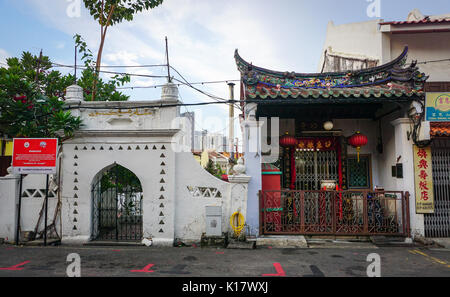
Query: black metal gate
[117, 205]
[438, 223]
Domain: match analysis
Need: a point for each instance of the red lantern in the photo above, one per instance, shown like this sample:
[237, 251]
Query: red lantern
[357, 140]
[288, 141]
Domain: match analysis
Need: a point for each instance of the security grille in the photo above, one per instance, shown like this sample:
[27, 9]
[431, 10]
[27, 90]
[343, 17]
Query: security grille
[438, 223]
[313, 167]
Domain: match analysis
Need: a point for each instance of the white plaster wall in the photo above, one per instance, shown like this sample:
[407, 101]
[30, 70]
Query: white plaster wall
[368, 128]
[128, 115]
[361, 39]
[190, 217]
[31, 206]
[389, 157]
[9, 190]
[425, 47]
[145, 163]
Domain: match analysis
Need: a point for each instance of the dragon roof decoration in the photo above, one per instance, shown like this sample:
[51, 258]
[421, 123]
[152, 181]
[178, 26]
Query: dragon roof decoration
[393, 79]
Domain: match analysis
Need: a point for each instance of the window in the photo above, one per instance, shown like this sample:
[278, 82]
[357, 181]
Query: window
[359, 174]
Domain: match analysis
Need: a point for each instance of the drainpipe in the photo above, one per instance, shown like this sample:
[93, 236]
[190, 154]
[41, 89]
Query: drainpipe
[231, 124]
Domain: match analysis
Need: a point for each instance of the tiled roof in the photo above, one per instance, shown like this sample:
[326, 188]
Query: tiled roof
[424, 21]
[440, 129]
[392, 80]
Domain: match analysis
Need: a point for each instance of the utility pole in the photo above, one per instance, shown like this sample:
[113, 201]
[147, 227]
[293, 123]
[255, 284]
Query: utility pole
[168, 65]
[76, 47]
[231, 124]
[38, 67]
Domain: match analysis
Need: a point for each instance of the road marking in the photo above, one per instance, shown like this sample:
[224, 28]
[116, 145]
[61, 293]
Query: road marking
[220, 253]
[279, 269]
[15, 267]
[436, 260]
[146, 269]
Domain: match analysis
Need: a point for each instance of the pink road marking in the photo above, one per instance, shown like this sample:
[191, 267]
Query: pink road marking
[145, 269]
[15, 267]
[279, 269]
[220, 253]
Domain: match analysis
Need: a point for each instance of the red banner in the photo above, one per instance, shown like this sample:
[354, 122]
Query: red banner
[34, 155]
[317, 144]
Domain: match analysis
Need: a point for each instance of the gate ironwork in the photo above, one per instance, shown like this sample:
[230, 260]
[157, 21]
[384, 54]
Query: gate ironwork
[117, 205]
[438, 223]
[312, 167]
[334, 212]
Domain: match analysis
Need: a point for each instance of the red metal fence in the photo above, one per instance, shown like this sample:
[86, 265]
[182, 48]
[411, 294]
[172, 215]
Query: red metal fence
[350, 212]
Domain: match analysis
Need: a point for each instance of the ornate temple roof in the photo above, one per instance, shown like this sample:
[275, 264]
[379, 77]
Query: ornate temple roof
[391, 80]
[440, 129]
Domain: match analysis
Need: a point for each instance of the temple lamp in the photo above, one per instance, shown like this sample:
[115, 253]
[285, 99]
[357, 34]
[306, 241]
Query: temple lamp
[328, 125]
[288, 141]
[357, 140]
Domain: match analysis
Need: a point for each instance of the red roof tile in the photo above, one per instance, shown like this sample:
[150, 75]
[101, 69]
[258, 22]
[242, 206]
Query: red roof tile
[424, 21]
[440, 129]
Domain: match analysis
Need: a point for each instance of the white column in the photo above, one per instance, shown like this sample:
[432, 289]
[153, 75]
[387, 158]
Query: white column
[238, 192]
[252, 153]
[404, 148]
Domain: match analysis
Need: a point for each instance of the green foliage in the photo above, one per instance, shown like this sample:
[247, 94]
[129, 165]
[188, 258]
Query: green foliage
[214, 169]
[106, 90]
[121, 9]
[31, 103]
[124, 179]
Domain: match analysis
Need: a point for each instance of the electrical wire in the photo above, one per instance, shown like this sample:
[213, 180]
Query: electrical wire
[110, 72]
[181, 84]
[198, 90]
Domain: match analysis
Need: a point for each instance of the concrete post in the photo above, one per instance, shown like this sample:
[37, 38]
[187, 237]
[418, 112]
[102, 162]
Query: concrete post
[239, 191]
[74, 97]
[169, 92]
[252, 152]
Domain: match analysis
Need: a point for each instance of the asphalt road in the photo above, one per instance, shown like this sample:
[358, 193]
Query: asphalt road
[212, 262]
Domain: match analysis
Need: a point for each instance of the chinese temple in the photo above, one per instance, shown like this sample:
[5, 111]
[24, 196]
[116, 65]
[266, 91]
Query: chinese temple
[345, 152]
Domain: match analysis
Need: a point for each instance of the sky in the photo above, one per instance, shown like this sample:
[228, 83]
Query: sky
[283, 35]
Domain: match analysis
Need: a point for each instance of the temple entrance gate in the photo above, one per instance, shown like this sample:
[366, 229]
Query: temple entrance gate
[117, 205]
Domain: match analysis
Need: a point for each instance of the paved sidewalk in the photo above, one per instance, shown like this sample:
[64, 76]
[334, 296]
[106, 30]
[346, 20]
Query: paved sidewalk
[443, 242]
[351, 261]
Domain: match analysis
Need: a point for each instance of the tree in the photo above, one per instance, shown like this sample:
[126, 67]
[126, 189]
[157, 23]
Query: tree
[214, 169]
[106, 91]
[31, 101]
[211, 168]
[111, 12]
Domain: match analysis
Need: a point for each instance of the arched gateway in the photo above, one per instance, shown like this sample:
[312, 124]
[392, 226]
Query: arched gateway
[117, 198]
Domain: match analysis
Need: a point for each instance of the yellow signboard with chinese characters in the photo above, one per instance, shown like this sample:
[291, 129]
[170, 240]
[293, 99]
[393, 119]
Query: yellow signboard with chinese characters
[423, 176]
[437, 107]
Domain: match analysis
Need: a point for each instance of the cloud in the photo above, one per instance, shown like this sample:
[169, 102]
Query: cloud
[3, 55]
[203, 36]
[60, 45]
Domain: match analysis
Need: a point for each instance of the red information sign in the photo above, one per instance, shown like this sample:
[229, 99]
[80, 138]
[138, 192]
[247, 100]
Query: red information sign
[34, 155]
